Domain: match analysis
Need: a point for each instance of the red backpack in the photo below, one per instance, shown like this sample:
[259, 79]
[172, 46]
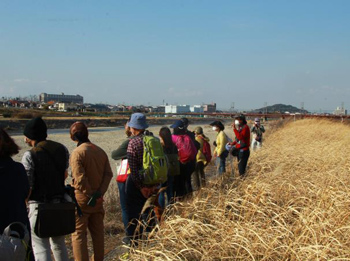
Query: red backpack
[206, 150]
[186, 148]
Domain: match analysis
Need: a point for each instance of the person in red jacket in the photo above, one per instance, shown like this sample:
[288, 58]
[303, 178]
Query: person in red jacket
[242, 142]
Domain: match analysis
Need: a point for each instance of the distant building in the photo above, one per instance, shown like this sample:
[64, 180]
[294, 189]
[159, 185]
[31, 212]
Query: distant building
[177, 109]
[67, 106]
[209, 108]
[62, 98]
[161, 109]
[96, 108]
[197, 109]
[340, 111]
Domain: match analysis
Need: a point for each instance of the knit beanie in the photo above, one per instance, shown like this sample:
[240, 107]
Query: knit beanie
[36, 129]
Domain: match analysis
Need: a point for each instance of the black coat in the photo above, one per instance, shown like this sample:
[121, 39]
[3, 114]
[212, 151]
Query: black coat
[14, 189]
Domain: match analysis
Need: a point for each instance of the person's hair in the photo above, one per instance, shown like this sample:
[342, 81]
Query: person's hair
[8, 147]
[178, 131]
[79, 132]
[140, 131]
[185, 122]
[242, 118]
[148, 133]
[220, 126]
[127, 129]
[165, 134]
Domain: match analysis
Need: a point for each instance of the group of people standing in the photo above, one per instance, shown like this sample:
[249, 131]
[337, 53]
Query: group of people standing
[41, 176]
[240, 146]
[188, 154]
[180, 148]
[40, 179]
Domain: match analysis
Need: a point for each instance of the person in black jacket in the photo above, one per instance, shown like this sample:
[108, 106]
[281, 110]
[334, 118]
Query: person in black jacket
[46, 165]
[14, 185]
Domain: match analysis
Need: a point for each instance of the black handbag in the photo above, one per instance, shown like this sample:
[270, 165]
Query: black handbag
[55, 219]
[235, 152]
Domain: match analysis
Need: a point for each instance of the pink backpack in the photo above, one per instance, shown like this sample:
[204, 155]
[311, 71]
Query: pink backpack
[186, 148]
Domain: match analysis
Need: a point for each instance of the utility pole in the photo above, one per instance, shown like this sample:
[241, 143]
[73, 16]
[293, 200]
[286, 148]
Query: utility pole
[302, 107]
[265, 106]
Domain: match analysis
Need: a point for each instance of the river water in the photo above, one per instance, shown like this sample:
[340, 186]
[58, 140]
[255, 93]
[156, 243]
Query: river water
[66, 131]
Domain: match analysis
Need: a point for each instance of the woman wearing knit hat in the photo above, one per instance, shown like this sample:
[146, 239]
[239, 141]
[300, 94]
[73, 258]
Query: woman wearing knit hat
[36, 129]
[46, 165]
[203, 158]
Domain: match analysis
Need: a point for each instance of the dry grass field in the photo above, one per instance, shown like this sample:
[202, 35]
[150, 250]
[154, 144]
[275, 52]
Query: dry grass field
[293, 205]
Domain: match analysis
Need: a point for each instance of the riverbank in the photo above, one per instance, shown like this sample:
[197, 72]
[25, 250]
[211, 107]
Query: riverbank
[15, 125]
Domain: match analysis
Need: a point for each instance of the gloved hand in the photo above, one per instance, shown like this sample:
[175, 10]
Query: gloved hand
[94, 198]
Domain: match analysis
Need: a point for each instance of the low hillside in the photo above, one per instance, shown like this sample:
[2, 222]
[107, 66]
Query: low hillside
[294, 204]
[280, 108]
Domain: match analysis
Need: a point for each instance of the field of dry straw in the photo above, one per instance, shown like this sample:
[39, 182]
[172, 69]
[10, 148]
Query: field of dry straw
[294, 204]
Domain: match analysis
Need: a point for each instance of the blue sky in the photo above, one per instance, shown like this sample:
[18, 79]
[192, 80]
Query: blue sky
[246, 52]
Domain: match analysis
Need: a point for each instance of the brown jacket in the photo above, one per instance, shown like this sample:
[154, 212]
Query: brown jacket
[90, 169]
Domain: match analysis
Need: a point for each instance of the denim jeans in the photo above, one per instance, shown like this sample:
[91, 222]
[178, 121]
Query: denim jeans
[134, 204]
[169, 192]
[122, 197]
[42, 246]
[222, 162]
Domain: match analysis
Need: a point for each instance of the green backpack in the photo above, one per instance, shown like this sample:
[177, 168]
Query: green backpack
[155, 166]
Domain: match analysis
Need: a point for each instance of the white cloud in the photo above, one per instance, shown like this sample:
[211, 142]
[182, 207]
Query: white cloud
[21, 80]
[24, 80]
